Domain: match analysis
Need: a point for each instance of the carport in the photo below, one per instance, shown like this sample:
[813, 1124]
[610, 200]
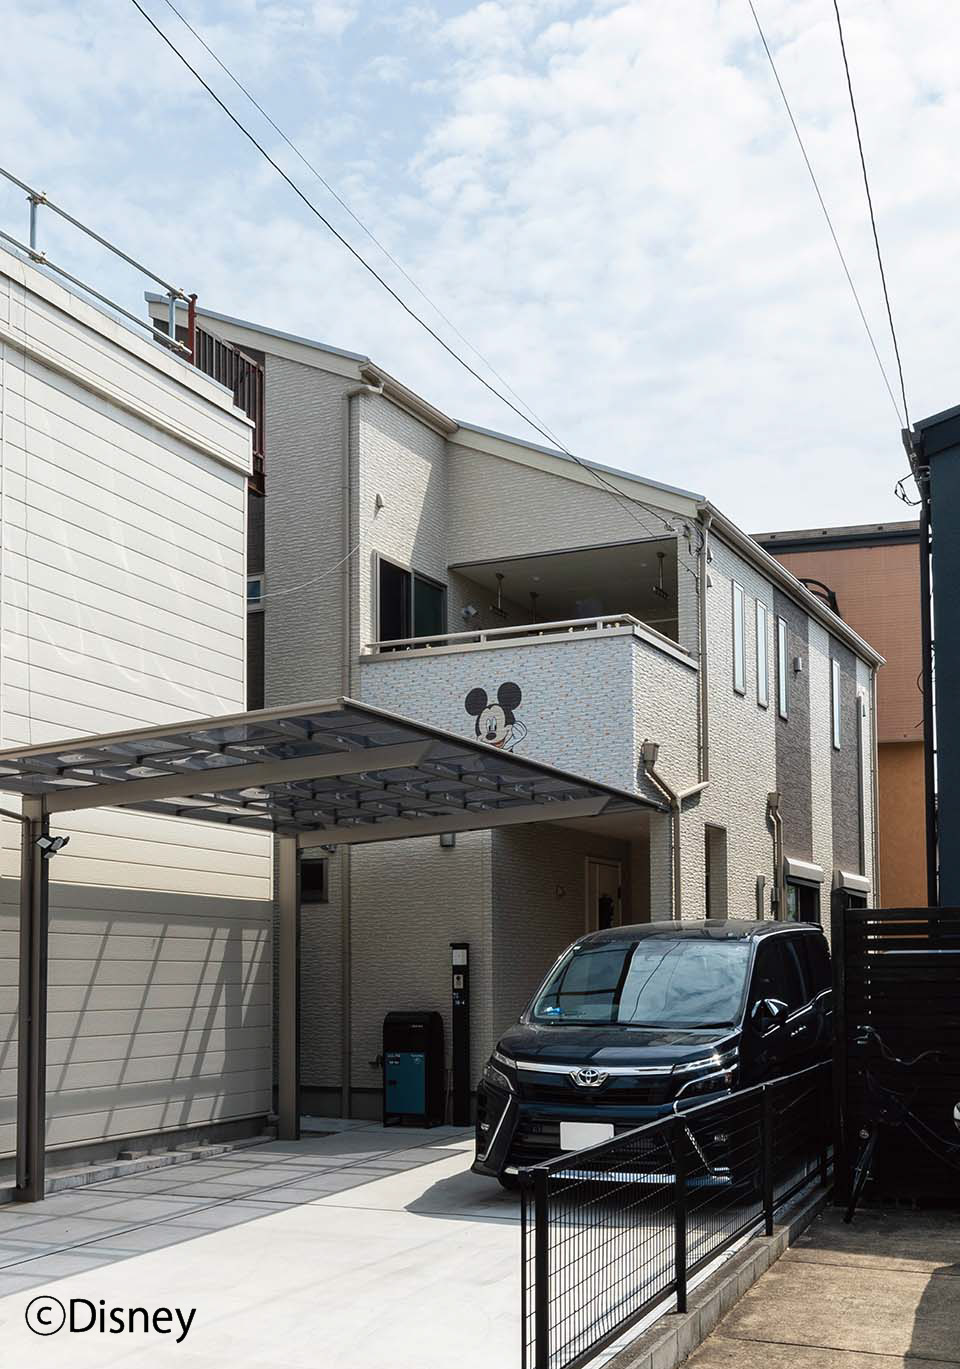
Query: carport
[319, 774]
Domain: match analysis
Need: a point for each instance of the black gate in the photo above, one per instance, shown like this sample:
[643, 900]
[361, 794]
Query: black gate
[897, 1018]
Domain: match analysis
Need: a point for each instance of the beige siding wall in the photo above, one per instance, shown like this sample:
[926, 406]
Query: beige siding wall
[123, 605]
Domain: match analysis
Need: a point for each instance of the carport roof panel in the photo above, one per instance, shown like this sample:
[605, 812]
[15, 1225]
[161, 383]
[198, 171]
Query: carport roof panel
[329, 772]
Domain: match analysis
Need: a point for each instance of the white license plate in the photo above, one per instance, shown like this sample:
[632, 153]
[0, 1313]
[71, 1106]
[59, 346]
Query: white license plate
[576, 1135]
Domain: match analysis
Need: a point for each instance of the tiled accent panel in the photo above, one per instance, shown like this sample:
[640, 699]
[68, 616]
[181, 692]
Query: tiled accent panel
[821, 764]
[845, 765]
[579, 694]
[793, 733]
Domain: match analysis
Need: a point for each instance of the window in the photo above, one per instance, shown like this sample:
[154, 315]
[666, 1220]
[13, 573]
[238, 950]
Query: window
[803, 902]
[254, 592]
[651, 982]
[409, 605]
[763, 672]
[313, 880]
[782, 667]
[778, 974]
[835, 702]
[739, 667]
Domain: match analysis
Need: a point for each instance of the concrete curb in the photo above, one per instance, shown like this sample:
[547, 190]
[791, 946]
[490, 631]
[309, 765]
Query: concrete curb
[675, 1336]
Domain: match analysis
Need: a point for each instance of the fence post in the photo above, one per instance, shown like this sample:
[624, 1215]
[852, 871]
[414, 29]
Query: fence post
[767, 1159]
[680, 1215]
[541, 1271]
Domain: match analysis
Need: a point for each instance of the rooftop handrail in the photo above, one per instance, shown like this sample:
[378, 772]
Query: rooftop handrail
[37, 198]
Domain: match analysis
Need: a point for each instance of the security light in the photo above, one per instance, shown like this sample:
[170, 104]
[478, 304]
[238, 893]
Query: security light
[469, 612]
[650, 751]
[49, 846]
[448, 839]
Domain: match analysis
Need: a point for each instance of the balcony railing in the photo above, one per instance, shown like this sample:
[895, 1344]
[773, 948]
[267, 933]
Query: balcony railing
[493, 636]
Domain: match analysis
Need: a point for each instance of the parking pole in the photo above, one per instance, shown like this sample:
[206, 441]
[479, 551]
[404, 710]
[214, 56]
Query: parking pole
[680, 1215]
[541, 1271]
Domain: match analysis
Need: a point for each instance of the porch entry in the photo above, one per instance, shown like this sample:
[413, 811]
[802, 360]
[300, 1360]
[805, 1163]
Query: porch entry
[604, 904]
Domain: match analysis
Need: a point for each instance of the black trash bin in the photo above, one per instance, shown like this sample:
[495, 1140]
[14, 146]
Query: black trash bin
[414, 1069]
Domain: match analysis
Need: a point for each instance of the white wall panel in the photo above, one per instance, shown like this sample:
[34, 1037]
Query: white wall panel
[122, 604]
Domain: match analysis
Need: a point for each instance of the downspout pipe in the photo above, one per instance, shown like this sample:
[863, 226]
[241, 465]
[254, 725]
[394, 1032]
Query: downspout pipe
[347, 678]
[875, 793]
[676, 799]
[706, 519]
[779, 880]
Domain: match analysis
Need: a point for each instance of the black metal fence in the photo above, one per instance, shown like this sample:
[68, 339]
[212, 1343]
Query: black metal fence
[897, 1046]
[611, 1231]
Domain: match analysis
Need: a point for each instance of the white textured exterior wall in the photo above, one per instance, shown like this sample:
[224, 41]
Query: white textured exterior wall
[405, 462]
[122, 601]
[501, 508]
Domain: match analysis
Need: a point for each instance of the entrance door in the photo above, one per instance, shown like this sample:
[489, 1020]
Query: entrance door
[603, 894]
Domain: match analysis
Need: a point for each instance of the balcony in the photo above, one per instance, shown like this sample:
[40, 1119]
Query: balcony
[578, 693]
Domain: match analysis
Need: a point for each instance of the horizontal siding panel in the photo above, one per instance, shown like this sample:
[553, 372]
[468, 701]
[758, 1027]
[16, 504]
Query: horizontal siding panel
[54, 405]
[102, 909]
[110, 1021]
[224, 946]
[100, 465]
[218, 1107]
[146, 976]
[110, 601]
[53, 646]
[161, 562]
[120, 1073]
[64, 1051]
[81, 1102]
[29, 675]
[144, 388]
[65, 494]
[199, 837]
[115, 577]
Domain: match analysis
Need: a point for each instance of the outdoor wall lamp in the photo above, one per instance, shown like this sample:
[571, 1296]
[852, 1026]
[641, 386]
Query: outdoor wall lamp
[650, 751]
[49, 846]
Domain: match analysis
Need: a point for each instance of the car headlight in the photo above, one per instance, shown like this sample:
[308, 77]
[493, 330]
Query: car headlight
[714, 1082]
[711, 1062]
[496, 1076]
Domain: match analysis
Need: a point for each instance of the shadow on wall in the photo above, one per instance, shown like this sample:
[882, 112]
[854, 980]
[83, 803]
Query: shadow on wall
[157, 1019]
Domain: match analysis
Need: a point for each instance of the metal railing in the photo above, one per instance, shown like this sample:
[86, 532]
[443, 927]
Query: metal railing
[603, 623]
[610, 1232]
[36, 199]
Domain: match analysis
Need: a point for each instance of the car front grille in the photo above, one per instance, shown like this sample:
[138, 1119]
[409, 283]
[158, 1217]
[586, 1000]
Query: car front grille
[620, 1091]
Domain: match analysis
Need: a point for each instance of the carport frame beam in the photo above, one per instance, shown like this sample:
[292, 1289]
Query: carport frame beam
[288, 988]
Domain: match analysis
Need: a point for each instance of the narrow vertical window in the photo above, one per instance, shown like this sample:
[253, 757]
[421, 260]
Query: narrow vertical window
[782, 667]
[835, 702]
[763, 673]
[739, 665]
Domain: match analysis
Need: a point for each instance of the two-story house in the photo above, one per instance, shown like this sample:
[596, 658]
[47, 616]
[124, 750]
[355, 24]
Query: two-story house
[612, 625]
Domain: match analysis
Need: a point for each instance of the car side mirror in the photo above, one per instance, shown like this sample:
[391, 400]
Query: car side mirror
[768, 1013]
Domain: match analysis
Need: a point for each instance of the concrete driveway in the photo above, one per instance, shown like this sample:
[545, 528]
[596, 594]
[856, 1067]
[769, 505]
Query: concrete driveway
[368, 1247]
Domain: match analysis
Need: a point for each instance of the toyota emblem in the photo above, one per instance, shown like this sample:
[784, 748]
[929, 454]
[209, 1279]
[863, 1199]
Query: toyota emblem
[589, 1078]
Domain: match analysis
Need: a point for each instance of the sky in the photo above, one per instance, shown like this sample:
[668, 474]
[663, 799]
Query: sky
[605, 199]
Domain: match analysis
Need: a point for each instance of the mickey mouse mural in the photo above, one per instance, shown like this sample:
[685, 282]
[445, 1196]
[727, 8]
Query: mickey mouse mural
[496, 723]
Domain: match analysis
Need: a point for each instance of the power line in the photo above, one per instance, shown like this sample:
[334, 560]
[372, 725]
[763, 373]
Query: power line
[826, 215]
[873, 221]
[626, 501]
[346, 207]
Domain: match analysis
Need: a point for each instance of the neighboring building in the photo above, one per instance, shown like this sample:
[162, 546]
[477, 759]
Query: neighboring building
[124, 475]
[499, 589]
[873, 572]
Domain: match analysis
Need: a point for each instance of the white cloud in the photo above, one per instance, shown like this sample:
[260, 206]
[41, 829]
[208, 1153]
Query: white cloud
[606, 198]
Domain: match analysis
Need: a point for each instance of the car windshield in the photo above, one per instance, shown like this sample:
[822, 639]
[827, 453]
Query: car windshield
[652, 982]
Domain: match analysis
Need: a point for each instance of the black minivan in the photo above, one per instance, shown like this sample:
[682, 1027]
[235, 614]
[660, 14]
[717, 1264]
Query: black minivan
[635, 1022]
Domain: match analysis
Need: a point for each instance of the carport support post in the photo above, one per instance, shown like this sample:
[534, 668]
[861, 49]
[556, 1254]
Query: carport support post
[32, 1009]
[288, 988]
